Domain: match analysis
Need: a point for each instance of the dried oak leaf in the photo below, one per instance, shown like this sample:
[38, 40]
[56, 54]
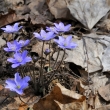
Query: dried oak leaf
[88, 12]
[61, 98]
[8, 18]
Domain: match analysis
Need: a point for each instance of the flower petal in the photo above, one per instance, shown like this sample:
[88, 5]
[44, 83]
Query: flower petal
[15, 65]
[24, 54]
[19, 91]
[61, 25]
[10, 84]
[28, 59]
[15, 26]
[26, 79]
[43, 33]
[6, 49]
[37, 35]
[12, 60]
[57, 25]
[67, 27]
[68, 40]
[17, 78]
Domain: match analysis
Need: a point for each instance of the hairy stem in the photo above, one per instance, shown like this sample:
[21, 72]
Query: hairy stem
[56, 69]
[41, 70]
[56, 59]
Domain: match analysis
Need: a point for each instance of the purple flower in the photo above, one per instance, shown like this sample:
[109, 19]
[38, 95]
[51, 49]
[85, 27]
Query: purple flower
[24, 43]
[12, 47]
[17, 84]
[51, 29]
[61, 28]
[65, 43]
[47, 51]
[19, 59]
[45, 36]
[12, 29]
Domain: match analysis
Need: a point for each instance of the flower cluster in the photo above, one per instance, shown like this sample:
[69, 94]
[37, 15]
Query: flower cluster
[53, 31]
[20, 58]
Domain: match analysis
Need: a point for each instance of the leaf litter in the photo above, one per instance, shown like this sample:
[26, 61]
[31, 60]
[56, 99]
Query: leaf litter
[91, 57]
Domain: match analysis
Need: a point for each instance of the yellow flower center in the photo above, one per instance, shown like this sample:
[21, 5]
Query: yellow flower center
[18, 87]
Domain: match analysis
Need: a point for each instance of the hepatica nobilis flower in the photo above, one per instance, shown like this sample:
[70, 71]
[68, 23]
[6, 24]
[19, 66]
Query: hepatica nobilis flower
[17, 84]
[12, 47]
[12, 29]
[61, 27]
[65, 43]
[19, 59]
[45, 36]
[47, 51]
[52, 29]
[24, 43]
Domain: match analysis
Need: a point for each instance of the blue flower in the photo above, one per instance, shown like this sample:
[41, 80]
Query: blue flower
[12, 47]
[17, 84]
[19, 59]
[45, 36]
[24, 43]
[52, 29]
[65, 43]
[12, 29]
[61, 28]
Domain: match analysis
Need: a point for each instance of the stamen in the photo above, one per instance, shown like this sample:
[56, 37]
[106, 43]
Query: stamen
[19, 59]
[18, 87]
[13, 47]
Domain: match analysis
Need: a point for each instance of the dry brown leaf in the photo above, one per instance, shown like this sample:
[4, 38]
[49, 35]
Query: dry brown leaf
[8, 18]
[88, 12]
[1, 87]
[23, 106]
[105, 25]
[59, 9]
[97, 82]
[97, 102]
[105, 107]
[60, 97]
[104, 91]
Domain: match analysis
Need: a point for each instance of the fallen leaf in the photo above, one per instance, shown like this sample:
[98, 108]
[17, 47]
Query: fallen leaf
[23, 106]
[105, 107]
[104, 91]
[61, 98]
[92, 53]
[88, 12]
[106, 59]
[59, 9]
[8, 18]
[97, 82]
[1, 87]
[2, 42]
